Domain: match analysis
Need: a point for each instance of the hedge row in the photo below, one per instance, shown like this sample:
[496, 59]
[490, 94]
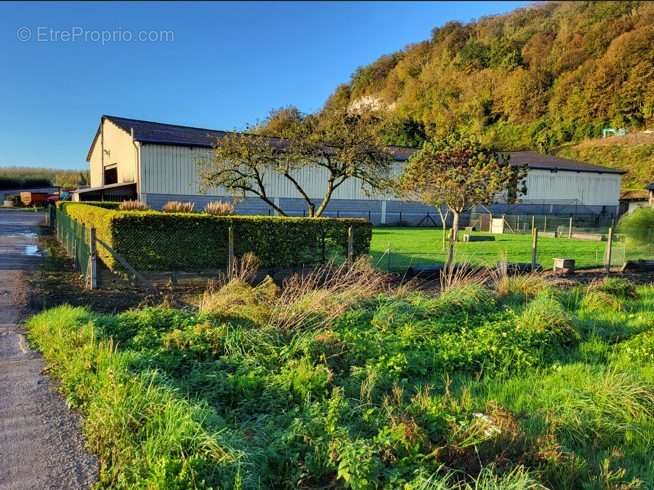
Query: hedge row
[155, 241]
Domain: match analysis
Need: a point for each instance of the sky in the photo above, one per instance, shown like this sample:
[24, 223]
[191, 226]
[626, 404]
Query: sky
[213, 65]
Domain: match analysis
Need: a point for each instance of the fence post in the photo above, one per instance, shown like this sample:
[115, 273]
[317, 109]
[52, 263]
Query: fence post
[517, 226]
[350, 245]
[92, 271]
[545, 225]
[570, 228]
[230, 251]
[534, 248]
[533, 222]
[609, 246]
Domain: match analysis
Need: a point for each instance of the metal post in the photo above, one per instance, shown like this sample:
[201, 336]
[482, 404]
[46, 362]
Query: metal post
[92, 271]
[609, 246]
[533, 222]
[570, 228]
[534, 248]
[230, 251]
[545, 225]
[517, 226]
[350, 245]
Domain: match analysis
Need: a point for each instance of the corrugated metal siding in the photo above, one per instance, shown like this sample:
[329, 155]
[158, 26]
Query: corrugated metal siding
[174, 170]
[585, 188]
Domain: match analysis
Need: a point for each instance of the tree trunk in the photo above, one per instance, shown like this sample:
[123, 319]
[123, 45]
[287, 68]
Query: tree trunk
[326, 198]
[453, 235]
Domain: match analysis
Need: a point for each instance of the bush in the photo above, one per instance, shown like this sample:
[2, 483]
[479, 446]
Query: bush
[178, 207]
[154, 241]
[639, 226]
[219, 208]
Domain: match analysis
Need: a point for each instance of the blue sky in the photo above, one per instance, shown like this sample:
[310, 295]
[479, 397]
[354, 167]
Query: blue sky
[216, 65]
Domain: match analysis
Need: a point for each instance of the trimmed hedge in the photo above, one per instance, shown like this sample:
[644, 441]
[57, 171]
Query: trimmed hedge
[155, 241]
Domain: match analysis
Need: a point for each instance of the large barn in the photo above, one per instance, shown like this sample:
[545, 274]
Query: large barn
[157, 163]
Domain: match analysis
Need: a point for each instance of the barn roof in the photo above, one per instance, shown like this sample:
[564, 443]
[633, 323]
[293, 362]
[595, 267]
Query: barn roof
[537, 160]
[172, 134]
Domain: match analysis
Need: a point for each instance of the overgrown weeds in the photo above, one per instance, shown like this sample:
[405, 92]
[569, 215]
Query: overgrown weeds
[332, 380]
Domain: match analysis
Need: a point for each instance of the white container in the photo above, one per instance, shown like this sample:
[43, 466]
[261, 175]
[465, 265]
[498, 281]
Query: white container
[8, 204]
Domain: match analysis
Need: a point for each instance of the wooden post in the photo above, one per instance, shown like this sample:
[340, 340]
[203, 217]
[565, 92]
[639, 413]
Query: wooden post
[490, 224]
[570, 228]
[230, 251]
[534, 248]
[609, 246]
[92, 269]
[350, 245]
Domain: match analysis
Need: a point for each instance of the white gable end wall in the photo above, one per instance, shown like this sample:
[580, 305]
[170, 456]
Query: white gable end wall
[119, 151]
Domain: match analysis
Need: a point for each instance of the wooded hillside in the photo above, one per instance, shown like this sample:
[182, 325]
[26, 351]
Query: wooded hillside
[538, 77]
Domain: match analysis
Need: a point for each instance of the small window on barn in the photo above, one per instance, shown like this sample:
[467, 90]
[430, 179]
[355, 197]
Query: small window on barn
[111, 175]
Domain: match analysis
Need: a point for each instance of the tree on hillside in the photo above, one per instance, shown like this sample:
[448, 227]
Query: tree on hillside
[337, 144]
[460, 173]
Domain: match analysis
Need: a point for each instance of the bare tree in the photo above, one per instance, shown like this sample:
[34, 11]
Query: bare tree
[343, 145]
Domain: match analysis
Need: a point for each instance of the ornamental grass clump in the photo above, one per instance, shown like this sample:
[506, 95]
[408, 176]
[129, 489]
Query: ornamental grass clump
[178, 207]
[219, 208]
[133, 206]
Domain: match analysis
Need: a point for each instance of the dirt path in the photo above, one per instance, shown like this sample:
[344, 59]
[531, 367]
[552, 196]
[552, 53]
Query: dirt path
[41, 445]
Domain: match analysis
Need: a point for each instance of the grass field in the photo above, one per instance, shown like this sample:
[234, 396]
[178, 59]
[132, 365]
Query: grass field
[399, 248]
[514, 385]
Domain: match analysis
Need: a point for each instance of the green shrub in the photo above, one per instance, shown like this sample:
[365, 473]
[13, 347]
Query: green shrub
[154, 241]
[639, 226]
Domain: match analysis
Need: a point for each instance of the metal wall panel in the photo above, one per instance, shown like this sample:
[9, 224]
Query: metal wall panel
[174, 170]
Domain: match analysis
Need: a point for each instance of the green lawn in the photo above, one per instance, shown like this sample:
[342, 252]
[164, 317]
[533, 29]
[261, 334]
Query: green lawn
[399, 248]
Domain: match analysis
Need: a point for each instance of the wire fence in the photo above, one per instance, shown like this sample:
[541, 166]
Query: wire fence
[400, 250]
[74, 237]
[404, 248]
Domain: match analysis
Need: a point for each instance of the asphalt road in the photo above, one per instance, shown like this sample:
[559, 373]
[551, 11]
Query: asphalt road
[41, 446]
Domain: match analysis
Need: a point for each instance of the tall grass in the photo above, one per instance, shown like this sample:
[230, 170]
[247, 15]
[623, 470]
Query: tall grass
[144, 433]
[332, 380]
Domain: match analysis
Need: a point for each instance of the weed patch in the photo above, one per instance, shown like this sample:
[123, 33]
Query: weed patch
[335, 381]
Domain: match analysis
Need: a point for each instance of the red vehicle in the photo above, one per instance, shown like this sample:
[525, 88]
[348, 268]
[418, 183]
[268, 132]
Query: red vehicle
[34, 198]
